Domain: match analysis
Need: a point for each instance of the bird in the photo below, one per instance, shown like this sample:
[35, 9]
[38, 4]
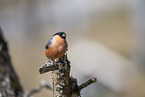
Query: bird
[56, 46]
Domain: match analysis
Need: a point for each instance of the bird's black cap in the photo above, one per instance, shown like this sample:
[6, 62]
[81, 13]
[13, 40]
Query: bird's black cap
[61, 34]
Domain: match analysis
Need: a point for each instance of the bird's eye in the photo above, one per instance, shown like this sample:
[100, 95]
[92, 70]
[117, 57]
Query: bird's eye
[63, 35]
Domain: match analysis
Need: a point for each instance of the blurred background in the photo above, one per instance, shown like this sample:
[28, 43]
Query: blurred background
[106, 40]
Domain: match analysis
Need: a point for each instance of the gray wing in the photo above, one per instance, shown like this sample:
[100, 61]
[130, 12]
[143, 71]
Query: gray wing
[48, 44]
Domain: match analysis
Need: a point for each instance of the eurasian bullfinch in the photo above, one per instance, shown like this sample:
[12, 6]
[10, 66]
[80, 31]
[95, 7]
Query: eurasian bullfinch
[56, 46]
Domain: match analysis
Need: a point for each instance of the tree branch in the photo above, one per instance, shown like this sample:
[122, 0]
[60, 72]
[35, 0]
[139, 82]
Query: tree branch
[85, 84]
[63, 84]
[9, 81]
[45, 68]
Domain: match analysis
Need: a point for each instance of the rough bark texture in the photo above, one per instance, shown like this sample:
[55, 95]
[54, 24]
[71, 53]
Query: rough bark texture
[9, 82]
[63, 84]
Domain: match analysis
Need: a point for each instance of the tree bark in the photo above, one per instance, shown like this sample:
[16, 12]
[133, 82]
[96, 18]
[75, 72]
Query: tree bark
[64, 85]
[9, 82]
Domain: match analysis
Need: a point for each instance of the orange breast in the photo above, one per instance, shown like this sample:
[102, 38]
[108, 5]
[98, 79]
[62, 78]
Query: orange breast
[51, 53]
[57, 48]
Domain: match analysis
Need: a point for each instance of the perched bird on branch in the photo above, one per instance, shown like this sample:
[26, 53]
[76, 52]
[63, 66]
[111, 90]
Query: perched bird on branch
[56, 46]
